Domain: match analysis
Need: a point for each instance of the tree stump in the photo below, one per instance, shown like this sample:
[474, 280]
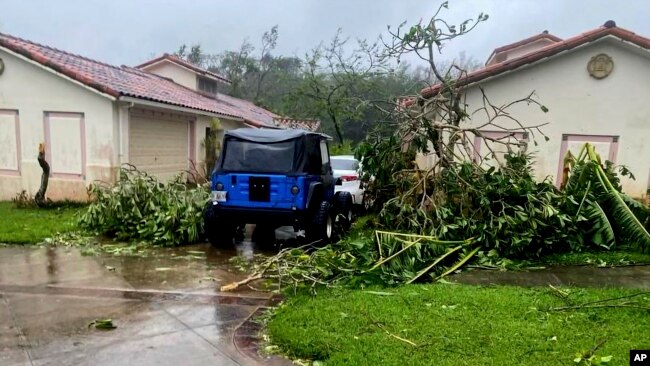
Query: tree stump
[40, 195]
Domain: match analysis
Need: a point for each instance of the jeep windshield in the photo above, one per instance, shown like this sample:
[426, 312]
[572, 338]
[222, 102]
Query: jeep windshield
[254, 157]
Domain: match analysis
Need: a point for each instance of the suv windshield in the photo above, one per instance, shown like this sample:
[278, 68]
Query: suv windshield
[344, 164]
[253, 157]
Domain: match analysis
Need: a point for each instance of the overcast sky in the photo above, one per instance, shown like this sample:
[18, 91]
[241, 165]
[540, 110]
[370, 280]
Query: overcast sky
[131, 31]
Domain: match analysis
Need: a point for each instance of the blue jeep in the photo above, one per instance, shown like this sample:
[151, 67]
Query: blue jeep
[275, 178]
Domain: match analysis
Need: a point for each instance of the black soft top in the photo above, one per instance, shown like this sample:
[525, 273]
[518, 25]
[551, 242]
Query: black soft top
[271, 136]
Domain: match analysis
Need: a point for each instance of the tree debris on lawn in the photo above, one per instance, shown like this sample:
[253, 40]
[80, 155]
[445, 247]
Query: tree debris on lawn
[103, 324]
[139, 207]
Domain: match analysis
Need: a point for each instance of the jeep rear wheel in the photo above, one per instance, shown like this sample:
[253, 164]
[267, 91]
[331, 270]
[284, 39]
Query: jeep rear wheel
[263, 234]
[217, 233]
[322, 227]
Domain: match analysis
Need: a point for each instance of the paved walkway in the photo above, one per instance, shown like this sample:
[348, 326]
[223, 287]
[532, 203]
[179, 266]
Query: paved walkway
[167, 311]
[581, 276]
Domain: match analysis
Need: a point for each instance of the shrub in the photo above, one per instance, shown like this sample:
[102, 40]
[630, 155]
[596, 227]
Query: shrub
[139, 207]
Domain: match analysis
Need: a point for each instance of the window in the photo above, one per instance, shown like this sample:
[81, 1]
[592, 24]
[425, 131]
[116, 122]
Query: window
[345, 164]
[486, 151]
[65, 144]
[324, 153]
[207, 85]
[252, 157]
[10, 142]
[605, 145]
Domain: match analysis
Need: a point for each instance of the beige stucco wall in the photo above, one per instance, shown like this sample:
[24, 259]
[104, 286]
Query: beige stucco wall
[204, 122]
[32, 90]
[178, 74]
[580, 104]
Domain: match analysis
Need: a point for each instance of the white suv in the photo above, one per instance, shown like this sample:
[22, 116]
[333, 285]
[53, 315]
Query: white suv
[346, 172]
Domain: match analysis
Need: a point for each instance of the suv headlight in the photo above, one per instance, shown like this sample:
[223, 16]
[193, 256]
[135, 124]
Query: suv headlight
[219, 186]
[295, 190]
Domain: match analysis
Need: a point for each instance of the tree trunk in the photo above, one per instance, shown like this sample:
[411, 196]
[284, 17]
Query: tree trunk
[40, 195]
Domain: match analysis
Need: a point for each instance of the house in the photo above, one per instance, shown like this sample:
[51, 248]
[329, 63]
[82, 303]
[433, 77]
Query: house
[596, 86]
[93, 117]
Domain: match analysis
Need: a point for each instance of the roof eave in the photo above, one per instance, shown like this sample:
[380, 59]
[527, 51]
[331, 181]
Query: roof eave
[63, 73]
[596, 37]
[178, 108]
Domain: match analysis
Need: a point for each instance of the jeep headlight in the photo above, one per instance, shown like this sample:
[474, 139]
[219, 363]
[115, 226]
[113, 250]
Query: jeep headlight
[295, 190]
[219, 186]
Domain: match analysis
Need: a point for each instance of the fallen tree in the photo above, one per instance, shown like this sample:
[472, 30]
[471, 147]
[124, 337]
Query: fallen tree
[431, 221]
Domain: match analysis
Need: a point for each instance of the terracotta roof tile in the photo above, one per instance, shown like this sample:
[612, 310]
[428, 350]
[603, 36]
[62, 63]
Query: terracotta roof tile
[249, 111]
[609, 29]
[131, 82]
[526, 41]
[303, 124]
[177, 60]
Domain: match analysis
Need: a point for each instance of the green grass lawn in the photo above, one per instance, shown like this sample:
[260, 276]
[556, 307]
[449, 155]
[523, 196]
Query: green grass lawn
[457, 325]
[32, 225]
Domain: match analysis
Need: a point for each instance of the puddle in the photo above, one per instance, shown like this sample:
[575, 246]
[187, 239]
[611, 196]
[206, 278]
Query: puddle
[194, 268]
[166, 304]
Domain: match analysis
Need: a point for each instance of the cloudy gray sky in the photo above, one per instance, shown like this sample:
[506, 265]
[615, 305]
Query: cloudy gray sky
[131, 31]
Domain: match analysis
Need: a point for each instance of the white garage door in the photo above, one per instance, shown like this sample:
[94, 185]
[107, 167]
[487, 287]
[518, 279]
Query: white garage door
[158, 145]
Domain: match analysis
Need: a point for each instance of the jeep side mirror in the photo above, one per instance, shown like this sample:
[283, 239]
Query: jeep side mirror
[339, 182]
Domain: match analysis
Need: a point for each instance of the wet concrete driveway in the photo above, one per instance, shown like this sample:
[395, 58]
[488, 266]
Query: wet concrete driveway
[167, 308]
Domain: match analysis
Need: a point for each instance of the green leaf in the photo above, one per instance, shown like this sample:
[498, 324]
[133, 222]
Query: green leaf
[379, 293]
[602, 230]
[105, 324]
[606, 359]
[544, 109]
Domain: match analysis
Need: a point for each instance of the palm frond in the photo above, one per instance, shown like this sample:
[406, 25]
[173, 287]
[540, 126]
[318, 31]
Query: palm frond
[429, 267]
[615, 205]
[640, 210]
[408, 245]
[459, 264]
[602, 230]
[628, 225]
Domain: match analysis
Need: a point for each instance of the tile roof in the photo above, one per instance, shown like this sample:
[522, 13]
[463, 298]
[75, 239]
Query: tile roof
[249, 111]
[608, 29]
[131, 82]
[303, 124]
[543, 35]
[179, 61]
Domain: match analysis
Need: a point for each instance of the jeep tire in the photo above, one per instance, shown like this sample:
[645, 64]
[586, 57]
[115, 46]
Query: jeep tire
[322, 225]
[218, 233]
[343, 202]
[264, 235]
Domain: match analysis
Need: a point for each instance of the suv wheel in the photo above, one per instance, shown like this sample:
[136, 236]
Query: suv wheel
[263, 234]
[217, 233]
[322, 227]
[344, 209]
